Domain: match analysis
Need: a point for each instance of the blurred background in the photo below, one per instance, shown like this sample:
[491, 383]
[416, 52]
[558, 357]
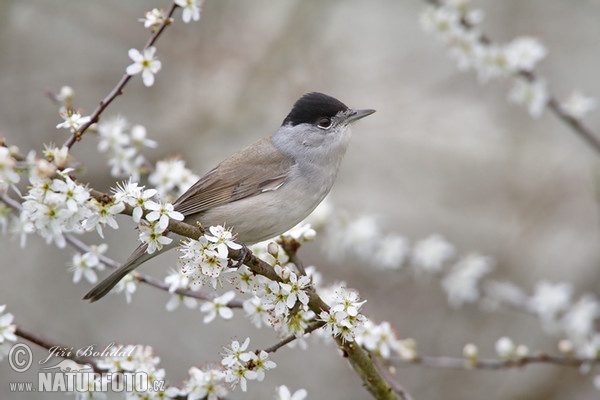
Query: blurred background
[441, 155]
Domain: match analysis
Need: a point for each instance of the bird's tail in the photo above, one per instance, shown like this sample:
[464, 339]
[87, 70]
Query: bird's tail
[138, 257]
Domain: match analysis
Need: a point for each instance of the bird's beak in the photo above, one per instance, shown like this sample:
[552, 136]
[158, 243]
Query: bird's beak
[355, 115]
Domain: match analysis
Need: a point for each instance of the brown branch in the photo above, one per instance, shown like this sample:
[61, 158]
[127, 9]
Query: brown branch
[118, 89]
[388, 376]
[493, 364]
[313, 327]
[553, 104]
[111, 263]
[48, 344]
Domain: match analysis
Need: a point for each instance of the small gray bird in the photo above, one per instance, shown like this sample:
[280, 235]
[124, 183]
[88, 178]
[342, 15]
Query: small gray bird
[268, 187]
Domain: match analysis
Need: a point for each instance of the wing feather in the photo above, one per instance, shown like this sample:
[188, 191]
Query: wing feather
[251, 171]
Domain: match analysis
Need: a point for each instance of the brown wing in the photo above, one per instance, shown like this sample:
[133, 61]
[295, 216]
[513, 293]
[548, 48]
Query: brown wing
[253, 170]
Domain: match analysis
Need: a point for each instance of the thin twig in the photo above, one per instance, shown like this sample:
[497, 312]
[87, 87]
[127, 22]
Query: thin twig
[493, 364]
[111, 263]
[118, 89]
[553, 104]
[48, 344]
[312, 327]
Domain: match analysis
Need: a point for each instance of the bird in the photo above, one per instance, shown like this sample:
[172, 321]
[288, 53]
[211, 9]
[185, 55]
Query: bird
[268, 187]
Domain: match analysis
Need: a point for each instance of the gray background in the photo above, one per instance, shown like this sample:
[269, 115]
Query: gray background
[442, 154]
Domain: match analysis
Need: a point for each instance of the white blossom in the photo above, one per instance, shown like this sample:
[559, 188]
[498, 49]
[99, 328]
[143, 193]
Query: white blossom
[7, 328]
[461, 282]
[431, 253]
[256, 312]
[505, 347]
[242, 365]
[523, 53]
[203, 384]
[578, 322]
[191, 9]
[72, 120]
[218, 306]
[151, 233]
[391, 252]
[550, 299]
[144, 63]
[204, 261]
[283, 393]
[55, 207]
[577, 105]
[135, 358]
[533, 95]
[154, 18]
[8, 175]
[162, 212]
[85, 265]
[172, 175]
[378, 338]
[139, 137]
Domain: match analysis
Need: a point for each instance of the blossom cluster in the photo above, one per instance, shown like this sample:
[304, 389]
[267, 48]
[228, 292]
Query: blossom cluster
[575, 321]
[8, 174]
[158, 214]
[55, 206]
[7, 331]
[455, 23]
[206, 260]
[363, 237]
[143, 364]
[343, 318]
[381, 339]
[123, 144]
[242, 365]
[171, 176]
[238, 366]
[86, 264]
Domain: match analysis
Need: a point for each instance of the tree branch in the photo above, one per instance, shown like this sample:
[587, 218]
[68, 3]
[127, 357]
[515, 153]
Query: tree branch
[493, 364]
[118, 89]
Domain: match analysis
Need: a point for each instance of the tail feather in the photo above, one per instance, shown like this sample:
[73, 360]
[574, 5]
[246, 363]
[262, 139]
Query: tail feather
[138, 257]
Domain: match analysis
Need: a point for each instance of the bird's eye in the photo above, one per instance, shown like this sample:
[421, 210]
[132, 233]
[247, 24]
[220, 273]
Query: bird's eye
[324, 123]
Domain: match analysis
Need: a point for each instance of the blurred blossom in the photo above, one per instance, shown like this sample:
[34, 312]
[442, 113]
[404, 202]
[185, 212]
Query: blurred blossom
[206, 384]
[172, 177]
[8, 175]
[504, 293]
[491, 63]
[85, 265]
[218, 306]
[430, 254]
[550, 299]
[123, 146]
[361, 235]
[154, 18]
[378, 338]
[533, 95]
[127, 285]
[283, 393]
[461, 282]
[577, 105]
[391, 252]
[523, 53]
[579, 320]
[505, 348]
[191, 9]
[7, 328]
[465, 46]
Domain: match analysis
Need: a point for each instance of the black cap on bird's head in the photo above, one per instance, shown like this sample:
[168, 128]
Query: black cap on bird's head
[313, 106]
